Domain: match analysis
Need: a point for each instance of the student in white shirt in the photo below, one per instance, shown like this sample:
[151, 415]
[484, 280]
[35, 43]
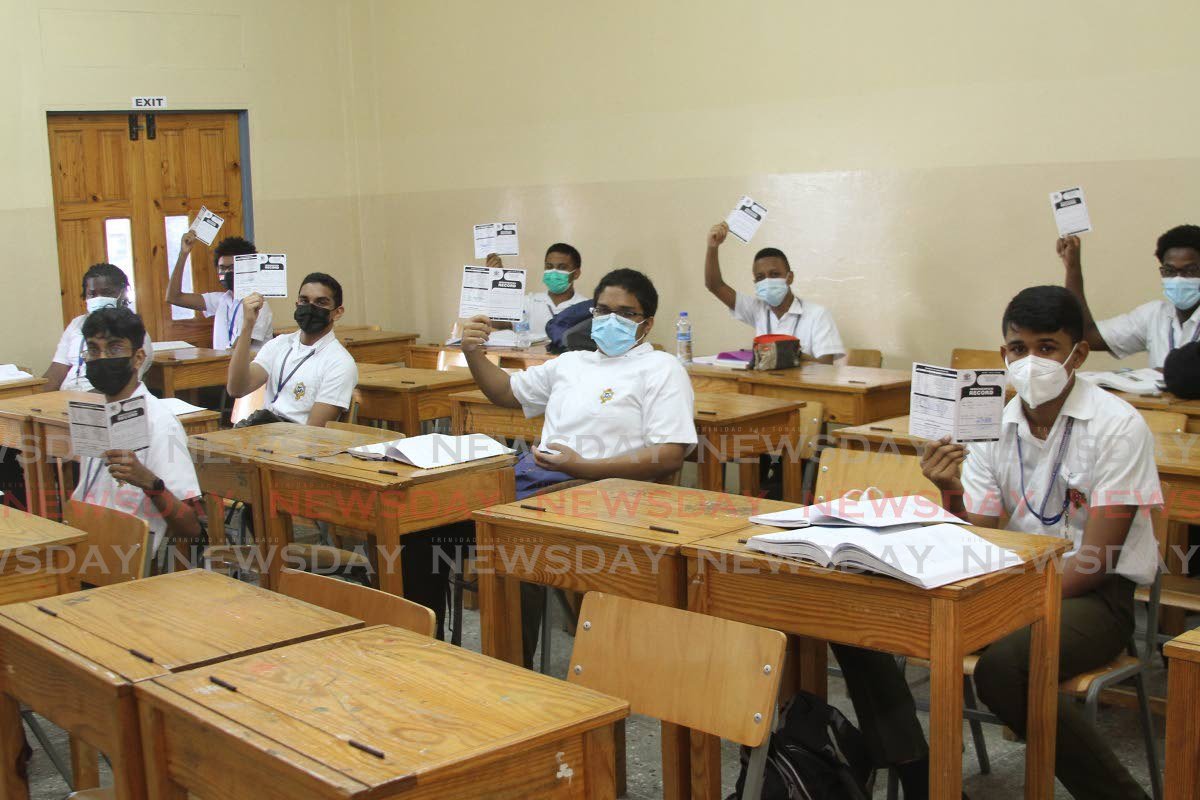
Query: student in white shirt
[773, 309]
[104, 286]
[1159, 326]
[158, 483]
[310, 377]
[226, 312]
[563, 266]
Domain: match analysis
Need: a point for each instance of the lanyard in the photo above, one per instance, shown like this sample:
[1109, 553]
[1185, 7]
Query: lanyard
[795, 322]
[90, 478]
[232, 322]
[282, 381]
[1058, 462]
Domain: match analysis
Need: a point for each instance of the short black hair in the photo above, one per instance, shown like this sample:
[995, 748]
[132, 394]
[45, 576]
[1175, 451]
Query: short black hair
[233, 246]
[773, 252]
[1181, 371]
[1045, 309]
[116, 322]
[633, 282]
[328, 281]
[566, 250]
[1179, 236]
[110, 271]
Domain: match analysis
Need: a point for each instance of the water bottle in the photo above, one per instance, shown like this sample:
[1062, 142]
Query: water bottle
[521, 329]
[683, 339]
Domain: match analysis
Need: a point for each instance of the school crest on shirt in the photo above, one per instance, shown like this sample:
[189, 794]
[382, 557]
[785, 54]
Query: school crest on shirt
[605, 396]
[299, 390]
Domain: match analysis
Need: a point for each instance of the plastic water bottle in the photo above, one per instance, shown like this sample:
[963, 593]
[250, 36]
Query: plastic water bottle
[683, 339]
[521, 329]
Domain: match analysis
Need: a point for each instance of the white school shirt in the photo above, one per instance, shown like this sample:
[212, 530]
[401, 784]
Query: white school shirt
[539, 308]
[601, 406]
[167, 457]
[810, 323]
[1151, 326]
[328, 374]
[1109, 461]
[70, 350]
[227, 320]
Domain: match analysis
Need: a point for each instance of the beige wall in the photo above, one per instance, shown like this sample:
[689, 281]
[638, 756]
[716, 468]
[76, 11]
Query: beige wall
[905, 150]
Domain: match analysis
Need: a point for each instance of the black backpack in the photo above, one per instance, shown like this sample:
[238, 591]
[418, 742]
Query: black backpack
[816, 754]
[571, 329]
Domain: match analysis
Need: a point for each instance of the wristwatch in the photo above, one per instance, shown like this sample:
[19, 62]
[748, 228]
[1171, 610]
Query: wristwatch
[158, 486]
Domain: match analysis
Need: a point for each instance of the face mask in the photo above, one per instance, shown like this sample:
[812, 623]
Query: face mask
[772, 291]
[94, 304]
[110, 375]
[227, 281]
[311, 319]
[1038, 380]
[1184, 293]
[614, 335]
[556, 280]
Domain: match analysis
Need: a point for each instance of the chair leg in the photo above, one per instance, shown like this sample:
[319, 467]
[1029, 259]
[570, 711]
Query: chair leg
[893, 787]
[546, 606]
[981, 753]
[756, 771]
[1148, 731]
[456, 609]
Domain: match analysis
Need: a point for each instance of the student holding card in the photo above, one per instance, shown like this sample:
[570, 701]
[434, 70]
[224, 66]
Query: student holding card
[773, 309]
[227, 313]
[1159, 326]
[562, 268]
[159, 483]
[310, 377]
[104, 286]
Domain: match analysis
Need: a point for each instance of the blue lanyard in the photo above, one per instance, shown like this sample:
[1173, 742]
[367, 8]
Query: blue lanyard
[1058, 462]
[282, 381]
[90, 479]
[232, 322]
[795, 322]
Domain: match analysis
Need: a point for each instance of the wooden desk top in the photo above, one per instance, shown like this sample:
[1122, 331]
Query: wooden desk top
[50, 408]
[408, 379]
[425, 707]
[1177, 454]
[884, 431]
[1185, 646]
[711, 408]
[22, 531]
[345, 469]
[852, 380]
[21, 383]
[151, 627]
[190, 355]
[282, 438]
[355, 336]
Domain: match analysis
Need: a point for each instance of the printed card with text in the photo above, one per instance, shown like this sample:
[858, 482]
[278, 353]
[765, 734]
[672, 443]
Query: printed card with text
[964, 404]
[206, 225]
[1070, 212]
[745, 219]
[264, 273]
[99, 427]
[495, 292]
[496, 237]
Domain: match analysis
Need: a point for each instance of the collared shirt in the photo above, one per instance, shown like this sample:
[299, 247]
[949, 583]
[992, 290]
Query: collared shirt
[227, 320]
[1109, 461]
[1149, 327]
[539, 309]
[602, 406]
[300, 375]
[167, 457]
[810, 323]
[70, 350]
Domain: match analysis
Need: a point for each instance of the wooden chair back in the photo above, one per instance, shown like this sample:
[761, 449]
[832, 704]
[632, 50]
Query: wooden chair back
[702, 672]
[1165, 421]
[117, 547]
[844, 470]
[964, 358]
[361, 602]
[382, 433]
[812, 422]
[861, 358]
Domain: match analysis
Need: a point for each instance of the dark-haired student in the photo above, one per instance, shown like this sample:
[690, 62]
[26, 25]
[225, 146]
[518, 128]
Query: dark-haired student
[1073, 461]
[562, 268]
[226, 312]
[773, 309]
[159, 483]
[310, 377]
[1156, 327]
[104, 286]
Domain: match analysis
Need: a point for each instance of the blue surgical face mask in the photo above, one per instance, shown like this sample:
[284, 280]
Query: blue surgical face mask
[614, 335]
[772, 291]
[1184, 293]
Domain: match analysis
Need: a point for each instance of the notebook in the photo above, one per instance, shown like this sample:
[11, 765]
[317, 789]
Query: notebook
[869, 512]
[1133, 381]
[433, 450]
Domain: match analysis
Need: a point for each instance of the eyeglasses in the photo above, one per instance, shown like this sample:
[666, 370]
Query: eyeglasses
[1190, 271]
[623, 313]
[94, 353]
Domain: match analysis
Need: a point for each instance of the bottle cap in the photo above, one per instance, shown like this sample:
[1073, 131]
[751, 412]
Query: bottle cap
[683, 313]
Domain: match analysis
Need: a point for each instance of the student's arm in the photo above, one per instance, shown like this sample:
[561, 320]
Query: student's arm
[176, 296]
[1068, 248]
[55, 374]
[182, 521]
[1106, 529]
[646, 464]
[712, 266]
[322, 414]
[494, 381]
[244, 376]
[941, 463]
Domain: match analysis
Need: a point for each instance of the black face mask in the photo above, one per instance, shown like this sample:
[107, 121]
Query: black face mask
[311, 319]
[227, 281]
[110, 375]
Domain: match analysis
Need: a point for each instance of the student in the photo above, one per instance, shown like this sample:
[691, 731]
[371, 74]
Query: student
[104, 286]
[225, 311]
[310, 377]
[159, 483]
[774, 309]
[562, 268]
[1158, 326]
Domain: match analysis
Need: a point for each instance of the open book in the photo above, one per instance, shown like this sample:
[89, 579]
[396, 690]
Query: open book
[867, 512]
[925, 556]
[1134, 381]
[433, 450]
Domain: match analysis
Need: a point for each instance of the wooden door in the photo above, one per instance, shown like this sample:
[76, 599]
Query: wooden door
[124, 192]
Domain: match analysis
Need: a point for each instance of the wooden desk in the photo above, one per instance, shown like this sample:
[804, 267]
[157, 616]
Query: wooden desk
[187, 368]
[881, 436]
[36, 556]
[618, 536]
[75, 658]
[731, 428]
[377, 713]
[851, 395]
[376, 347]
[440, 356]
[715, 380]
[21, 387]
[943, 625]
[1182, 777]
[407, 397]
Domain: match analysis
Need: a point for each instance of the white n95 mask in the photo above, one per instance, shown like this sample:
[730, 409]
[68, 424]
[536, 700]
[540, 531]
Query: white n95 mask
[94, 304]
[1038, 380]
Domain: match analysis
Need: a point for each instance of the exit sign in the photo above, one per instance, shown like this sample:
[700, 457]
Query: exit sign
[149, 103]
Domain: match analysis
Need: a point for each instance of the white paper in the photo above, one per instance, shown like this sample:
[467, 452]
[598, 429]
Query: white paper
[264, 273]
[495, 292]
[1146, 381]
[206, 224]
[868, 512]
[745, 218]
[180, 407]
[1070, 212]
[496, 237]
[162, 347]
[433, 450]
[965, 404]
[9, 372]
[97, 428]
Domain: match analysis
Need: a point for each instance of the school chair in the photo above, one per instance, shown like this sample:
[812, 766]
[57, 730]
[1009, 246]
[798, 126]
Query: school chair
[1164, 421]
[704, 673]
[963, 358]
[361, 602]
[861, 358]
[843, 470]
